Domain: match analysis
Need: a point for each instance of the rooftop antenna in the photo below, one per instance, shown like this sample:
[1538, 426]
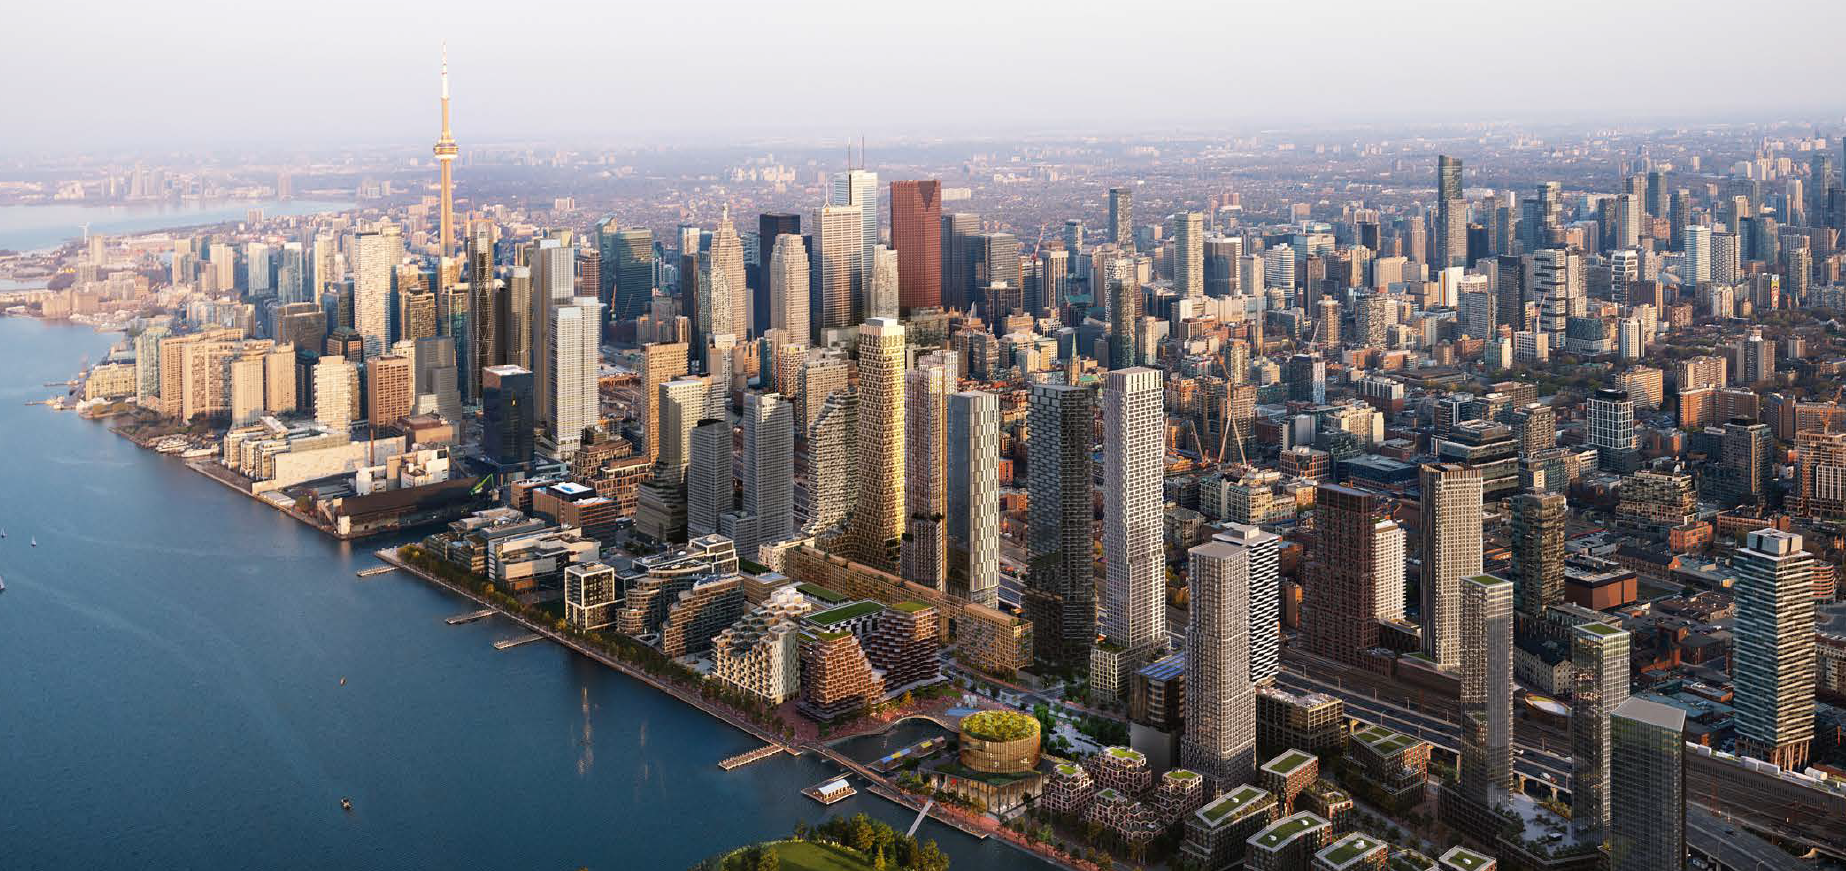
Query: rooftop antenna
[861, 150]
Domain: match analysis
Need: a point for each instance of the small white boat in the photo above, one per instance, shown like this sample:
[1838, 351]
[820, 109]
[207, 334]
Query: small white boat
[35, 541]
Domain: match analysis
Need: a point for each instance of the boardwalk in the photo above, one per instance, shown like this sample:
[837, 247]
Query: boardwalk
[742, 759]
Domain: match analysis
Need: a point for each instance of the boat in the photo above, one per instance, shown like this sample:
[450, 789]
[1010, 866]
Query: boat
[346, 804]
[342, 681]
[2, 533]
[2, 585]
[35, 541]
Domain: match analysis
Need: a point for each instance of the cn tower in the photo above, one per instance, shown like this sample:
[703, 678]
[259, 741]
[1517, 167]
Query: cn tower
[446, 150]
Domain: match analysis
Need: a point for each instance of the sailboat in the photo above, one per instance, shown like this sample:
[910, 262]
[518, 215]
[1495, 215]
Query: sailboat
[35, 541]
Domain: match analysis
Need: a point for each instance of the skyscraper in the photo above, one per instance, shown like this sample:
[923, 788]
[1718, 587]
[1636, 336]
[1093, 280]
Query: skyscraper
[446, 151]
[1189, 254]
[709, 484]
[1122, 217]
[877, 522]
[1355, 575]
[1451, 214]
[859, 188]
[1773, 664]
[336, 393]
[771, 226]
[572, 360]
[1647, 786]
[972, 489]
[1220, 736]
[1486, 666]
[660, 363]
[924, 557]
[1695, 259]
[627, 270]
[832, 468]
[1451, 533]
[769, 466]
[786, 279]
[843, 272]
[506, 415]
[1612, 431]
[916, 233]
[958, 230]
[1538, 552]
[1599, 656]
[881, 292]
[1133, 612]
[724, 282]
[377, 253]
[551, 265]
[1060, 598]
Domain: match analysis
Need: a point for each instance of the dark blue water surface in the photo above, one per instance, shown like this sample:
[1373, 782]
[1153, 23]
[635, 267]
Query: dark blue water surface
[170, 665]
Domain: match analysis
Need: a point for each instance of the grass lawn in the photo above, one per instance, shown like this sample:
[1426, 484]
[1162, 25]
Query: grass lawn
[809, 856]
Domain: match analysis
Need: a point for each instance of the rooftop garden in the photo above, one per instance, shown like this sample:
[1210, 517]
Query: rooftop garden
[911, 607]
[999, 725]
[1232, 803]
[844, 613]
[819, 592]
[1349, 848]
[1287, 762]
[1285, 830]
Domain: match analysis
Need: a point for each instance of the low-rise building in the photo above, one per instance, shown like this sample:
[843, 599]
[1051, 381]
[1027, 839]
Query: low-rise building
[1288, 844]
[1396, 763]
[759, 656]
[1288, 774]
[1355, 852]
[1218, 833]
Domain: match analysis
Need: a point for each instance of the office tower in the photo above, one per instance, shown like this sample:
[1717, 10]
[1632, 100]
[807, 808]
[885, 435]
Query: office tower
[1695, 256]
[1657, 194]
[724, 282]
[1451, 533]
[1124, 315]
[681, 404]
[958, 230]
[1599, 657]
[291, 274]
[438, 390]
[1541, 217]
[1060, 598]
[1221, 257]
[881, 293]
[1133, 612]
[1053, 281]
[479, 328]
[1746, 464]
[390, 389]
[1485, 621]
[769, 465]
[1122, 217]
[770, 227]
[446, 151]
[627, 270]
[590, 276]
[877, 522]
[1647, 787]
[843, 272]
[916, 233]
[1279, 269]
[709, 484]
[660, 362]
[1451, 214]
[336, 393]
[1220, 735]
[1073, 237]
[1773, 655]
[505, 325]
[552, 286]
[833, 468]
[787, 283]
[1306, 377]
[719, 368]
[996, 261]
[1538, 552]
[377, 255]
[507, 419]
[1356, 573]
[859, 188]
[972, 491]
[1189, 254]
[572, 361]
[924, 555]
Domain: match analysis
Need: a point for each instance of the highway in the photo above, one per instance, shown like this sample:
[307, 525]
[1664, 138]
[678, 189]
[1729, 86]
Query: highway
[1733, 847]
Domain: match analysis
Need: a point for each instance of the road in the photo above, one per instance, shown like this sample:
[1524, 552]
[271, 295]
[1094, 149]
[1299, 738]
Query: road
[1732, 846]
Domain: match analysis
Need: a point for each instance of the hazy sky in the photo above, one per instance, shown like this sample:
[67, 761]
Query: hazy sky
[195, 72]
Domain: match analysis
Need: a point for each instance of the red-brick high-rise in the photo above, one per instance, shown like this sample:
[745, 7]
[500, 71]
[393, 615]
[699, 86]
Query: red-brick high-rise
[916, 233]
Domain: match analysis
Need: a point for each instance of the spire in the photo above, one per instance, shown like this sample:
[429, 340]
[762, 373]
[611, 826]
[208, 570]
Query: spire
[445, 69]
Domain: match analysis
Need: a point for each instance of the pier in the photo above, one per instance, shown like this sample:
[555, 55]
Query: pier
[470, 617]
[510, 643]
[920, 815]
[742, 759]
[375, 571]
[831, 791]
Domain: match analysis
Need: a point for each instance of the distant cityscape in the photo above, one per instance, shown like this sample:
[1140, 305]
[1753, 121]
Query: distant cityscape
[1455, 498]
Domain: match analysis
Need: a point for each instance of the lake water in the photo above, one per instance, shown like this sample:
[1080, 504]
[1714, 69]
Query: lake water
[170, 698]
[31, 228]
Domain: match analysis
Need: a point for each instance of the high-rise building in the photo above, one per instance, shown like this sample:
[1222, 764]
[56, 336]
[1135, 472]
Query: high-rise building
[1538, 552]
[376, 254]
[958, 231]
[1263, 554]
[1773, 659]
[1133, 612]
[859, 188]
[833, 468]
[336, 393]
[1695, 258]
[786, 279]
[924, 556]
[1647, 786]
[1220, 735]
[1122, 217]
[1612, 430]
[724, 281]
[1451, 214]
[1486, 667]
[769, 467]
[390, 389]
[881, 291]
[572, 359]
[660, 362]
[1355, 575]
[552, 286]
[843, 272]
[507, 419]
[1053, 281]
[1451, 533]
[973, 494]
[1599, 656]
[446, 151]
[877, 522]
[709, 483]
[1060, 598]
[1189, 254]
[627, 270]
[916, 233]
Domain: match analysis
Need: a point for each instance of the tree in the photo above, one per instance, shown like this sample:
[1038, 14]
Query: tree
[769, 861]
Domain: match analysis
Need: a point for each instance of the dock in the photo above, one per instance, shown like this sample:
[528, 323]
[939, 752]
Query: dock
[742, 759]
[470, 617]
[830, 791]
[375, 571]
[510, 643]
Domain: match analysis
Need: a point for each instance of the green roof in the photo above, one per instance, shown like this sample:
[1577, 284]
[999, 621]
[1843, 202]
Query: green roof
[999, 725]
[1183, 774]
[1384, 740]
[1284, 830]
[1351, 847]
[1287, 762]
[1602, 629]
[1232, 803]
[911, 607]
[1465, 859]
[1068, 770]
[844, 613]
[1126, 753]
[820, 592]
